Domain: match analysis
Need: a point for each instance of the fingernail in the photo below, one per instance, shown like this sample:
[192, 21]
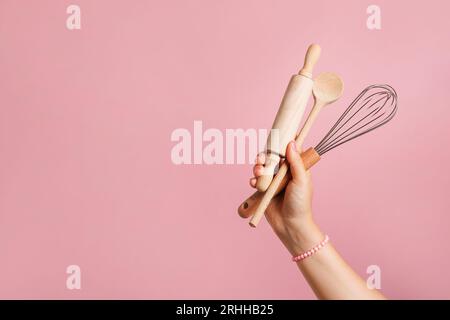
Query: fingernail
[294, 146]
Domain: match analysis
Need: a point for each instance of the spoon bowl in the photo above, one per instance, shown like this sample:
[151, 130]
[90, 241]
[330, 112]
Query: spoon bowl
[328, 87]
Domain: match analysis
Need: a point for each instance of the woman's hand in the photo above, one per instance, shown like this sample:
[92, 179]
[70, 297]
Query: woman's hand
[290, 216]
[290, 213]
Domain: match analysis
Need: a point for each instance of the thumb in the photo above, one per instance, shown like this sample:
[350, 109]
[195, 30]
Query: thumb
[295, 162]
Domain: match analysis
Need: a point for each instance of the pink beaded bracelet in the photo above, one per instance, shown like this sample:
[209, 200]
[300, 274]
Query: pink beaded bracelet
[310, 252]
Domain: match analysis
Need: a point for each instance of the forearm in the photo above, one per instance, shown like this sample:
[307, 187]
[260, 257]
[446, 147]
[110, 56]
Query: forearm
[329, 276]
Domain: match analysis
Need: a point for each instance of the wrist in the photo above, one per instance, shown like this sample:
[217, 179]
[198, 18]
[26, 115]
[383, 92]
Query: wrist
[305, 235]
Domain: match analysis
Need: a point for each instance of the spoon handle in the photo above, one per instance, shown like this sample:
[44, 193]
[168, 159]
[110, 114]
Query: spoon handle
[318, 105]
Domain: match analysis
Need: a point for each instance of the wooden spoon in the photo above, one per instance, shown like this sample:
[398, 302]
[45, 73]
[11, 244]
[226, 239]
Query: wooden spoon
[328, 88]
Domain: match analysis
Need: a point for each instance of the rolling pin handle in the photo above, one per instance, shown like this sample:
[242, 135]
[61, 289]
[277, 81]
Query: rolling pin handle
[311, 58]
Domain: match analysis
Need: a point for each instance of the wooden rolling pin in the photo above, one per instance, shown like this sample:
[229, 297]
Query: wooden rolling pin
[289, 116]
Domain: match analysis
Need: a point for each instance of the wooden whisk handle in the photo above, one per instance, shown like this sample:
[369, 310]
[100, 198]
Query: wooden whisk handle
[310, 157]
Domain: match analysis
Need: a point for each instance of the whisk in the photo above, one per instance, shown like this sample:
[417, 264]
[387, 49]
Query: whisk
[372, 108]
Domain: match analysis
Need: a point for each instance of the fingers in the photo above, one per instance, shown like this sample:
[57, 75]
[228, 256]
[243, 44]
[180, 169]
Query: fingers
[295, 163]
[258, 168]
[261, 158]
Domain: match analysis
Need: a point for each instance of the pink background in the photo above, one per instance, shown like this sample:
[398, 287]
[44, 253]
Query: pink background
[85, 121]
